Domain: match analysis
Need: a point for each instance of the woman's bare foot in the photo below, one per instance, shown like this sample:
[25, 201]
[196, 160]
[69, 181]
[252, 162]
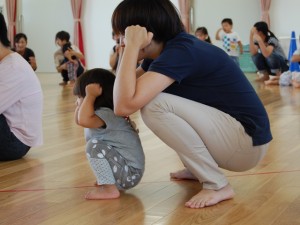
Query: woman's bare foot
[183, 175]
[103, 192]
[207, 197]
[274, 80]
[262, 77]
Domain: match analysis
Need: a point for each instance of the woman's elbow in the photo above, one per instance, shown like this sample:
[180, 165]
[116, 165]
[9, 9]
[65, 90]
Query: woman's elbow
[123, 110]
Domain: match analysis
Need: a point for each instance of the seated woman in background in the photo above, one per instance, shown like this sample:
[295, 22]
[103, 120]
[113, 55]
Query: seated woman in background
[202, 34]
[21, 48]
[21, 102]
[267, 54]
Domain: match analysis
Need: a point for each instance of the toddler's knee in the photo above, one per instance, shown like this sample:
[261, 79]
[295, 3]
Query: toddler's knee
[94, 147]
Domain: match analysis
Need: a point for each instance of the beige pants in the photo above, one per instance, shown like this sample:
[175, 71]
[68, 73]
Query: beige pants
[205, 138]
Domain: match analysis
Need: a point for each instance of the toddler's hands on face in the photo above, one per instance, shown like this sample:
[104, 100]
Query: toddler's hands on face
[93, 90]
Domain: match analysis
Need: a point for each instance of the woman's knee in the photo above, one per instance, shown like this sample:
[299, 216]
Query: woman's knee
[155, 108]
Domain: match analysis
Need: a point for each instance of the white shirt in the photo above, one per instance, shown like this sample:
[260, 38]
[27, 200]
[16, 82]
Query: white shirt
[230, 42]
[21, 99]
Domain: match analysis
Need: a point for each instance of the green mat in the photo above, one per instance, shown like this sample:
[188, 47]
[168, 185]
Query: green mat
[246, 63]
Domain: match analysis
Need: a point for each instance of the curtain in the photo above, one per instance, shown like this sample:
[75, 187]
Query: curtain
[184, 8]
[11, 8]
[78, 34]
[265, 6]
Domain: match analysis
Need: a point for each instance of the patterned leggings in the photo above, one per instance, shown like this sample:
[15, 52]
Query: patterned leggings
[110, 167]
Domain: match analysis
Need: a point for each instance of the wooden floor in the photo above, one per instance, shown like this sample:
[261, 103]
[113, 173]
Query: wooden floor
[48, 185]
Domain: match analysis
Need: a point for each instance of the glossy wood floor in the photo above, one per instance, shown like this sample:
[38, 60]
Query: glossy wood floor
[48, 185]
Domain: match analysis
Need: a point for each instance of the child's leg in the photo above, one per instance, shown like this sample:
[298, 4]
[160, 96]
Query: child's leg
[296, 79]
[72, 71]
[111, 171]
[102, 172]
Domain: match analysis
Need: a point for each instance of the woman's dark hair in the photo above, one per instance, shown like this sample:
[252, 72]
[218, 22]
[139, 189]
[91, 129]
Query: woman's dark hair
[19, 36]
[99, 76]
[263, 27]
[3, 32]
[204, 31]
[158, 16]
[62, 35]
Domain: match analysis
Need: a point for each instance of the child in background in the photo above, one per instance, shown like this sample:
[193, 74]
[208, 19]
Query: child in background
[71, 61]
[231, 40]
[62, 38]
[113, 148]
[202, 34]
[296, 75]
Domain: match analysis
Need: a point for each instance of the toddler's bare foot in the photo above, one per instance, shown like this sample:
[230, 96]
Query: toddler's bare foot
[103, 192]
[183, 175]
[207, 197]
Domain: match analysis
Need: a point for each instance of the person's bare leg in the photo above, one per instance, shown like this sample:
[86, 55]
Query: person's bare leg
[296, 84]
[107, 191]
[184, 174]
[274, 80]
[207, 197]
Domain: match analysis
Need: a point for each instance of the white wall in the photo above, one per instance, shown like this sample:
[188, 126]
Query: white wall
[97, 29]
[285, 17]
[43, 18]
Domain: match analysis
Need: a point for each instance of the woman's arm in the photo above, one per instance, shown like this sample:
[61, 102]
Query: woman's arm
[86, 116]
[252, 47]
[114, 56]
[130, 93]
[266, 51]
[32, 62]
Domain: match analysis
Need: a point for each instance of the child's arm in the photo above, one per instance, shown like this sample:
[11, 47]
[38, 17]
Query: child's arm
[241, 47]
[296, 56]
[218, 34]
[86, 113]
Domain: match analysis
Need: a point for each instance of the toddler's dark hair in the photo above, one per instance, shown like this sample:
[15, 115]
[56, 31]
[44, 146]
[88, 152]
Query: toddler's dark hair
[227, 20]
[62, 35]
[105, 79]
[204, 31]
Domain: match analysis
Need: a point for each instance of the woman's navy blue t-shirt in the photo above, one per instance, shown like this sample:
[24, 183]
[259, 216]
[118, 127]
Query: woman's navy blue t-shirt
[206, 74]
